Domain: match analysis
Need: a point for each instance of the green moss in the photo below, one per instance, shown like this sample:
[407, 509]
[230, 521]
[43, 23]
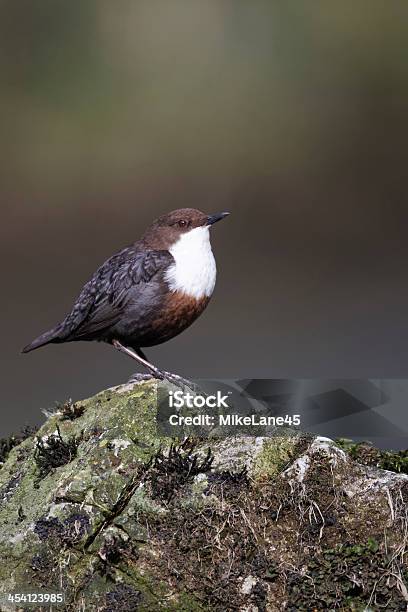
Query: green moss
[142, 502]
[275, 456]
[367, 454]
[115, 433]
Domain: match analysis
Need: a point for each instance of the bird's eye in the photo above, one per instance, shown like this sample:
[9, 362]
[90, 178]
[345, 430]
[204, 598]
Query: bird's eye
[182, 223]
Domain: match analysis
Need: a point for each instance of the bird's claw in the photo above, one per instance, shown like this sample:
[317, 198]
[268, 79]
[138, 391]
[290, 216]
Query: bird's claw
[163, 376]
[139, 377]
[177, 380]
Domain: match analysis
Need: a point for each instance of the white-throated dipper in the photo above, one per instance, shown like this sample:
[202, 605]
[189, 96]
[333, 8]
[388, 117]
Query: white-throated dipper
[147, 293]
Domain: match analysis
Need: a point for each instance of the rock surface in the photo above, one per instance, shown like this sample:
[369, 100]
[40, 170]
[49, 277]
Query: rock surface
[100, 507]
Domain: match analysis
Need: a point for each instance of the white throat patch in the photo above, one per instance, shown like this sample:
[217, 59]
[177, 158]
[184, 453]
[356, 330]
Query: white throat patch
[194, 270]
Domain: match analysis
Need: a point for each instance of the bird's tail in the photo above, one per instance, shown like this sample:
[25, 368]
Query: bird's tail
[52, 335]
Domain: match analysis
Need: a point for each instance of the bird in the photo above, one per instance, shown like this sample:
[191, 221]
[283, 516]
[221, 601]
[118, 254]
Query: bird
[147, 293]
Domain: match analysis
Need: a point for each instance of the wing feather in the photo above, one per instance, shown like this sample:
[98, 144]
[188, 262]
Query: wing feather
[101, 300]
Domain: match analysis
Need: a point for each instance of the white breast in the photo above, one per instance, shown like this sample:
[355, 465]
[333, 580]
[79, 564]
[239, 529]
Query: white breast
[194, 270]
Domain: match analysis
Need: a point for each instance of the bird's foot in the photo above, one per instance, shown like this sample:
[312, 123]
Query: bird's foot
[139, 377]
[162, 375]
[176, 379]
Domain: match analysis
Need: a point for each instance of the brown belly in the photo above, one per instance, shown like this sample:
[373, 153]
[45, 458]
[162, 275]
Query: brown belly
[179, 311]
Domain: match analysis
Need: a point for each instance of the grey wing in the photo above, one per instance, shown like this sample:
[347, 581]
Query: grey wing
[101, 301]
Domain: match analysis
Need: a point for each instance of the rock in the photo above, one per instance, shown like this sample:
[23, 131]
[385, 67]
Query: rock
[100, 507]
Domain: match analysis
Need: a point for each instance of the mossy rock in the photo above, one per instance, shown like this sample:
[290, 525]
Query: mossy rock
[99, 506]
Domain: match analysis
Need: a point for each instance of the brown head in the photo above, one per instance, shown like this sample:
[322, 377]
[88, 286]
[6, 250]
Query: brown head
[167, 229]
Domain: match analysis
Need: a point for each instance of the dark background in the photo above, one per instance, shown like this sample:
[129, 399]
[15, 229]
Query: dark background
[291, 115]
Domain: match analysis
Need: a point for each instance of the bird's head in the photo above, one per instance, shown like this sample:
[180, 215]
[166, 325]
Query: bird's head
[170, 228]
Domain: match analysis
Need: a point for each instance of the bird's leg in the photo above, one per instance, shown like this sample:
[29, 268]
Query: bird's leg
[139, 356]
[138, 376]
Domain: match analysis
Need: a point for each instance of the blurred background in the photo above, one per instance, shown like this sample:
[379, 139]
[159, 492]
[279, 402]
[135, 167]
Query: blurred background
[291, 115]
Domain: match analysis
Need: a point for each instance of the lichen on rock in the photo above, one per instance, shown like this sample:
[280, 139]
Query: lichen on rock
[126, 519]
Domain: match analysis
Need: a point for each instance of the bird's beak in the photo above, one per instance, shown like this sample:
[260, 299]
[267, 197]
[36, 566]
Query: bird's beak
[211, 219]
